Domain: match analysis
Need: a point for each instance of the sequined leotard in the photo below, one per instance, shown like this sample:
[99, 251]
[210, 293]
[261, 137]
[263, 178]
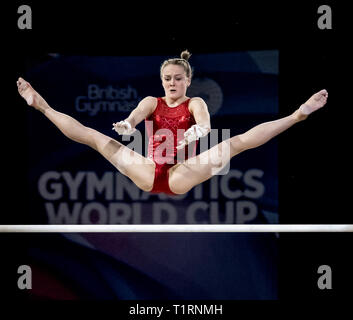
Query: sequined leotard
[162, 143]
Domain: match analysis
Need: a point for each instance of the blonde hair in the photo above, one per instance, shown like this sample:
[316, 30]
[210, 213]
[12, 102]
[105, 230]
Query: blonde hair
[182, 61]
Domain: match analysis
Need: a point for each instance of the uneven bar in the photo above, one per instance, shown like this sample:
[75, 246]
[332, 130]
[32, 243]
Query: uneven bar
[85, 228]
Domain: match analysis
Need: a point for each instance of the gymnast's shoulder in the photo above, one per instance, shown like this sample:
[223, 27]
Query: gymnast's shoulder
[197, 103]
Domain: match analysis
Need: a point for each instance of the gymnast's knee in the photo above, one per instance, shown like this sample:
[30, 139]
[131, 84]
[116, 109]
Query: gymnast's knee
[178, 187]
[110, 148]
[146, 185]
[238, 144]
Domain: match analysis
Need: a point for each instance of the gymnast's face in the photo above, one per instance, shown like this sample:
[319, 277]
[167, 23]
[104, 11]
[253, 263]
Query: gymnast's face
[174, 81]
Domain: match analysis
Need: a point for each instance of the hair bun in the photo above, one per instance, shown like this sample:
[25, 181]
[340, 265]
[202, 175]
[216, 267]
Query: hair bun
[185, 55]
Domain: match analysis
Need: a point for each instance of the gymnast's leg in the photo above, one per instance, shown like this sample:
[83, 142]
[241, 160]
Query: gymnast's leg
[120, 156]
[210, 162]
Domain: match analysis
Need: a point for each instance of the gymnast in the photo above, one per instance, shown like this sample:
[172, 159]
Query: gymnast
[165, 117]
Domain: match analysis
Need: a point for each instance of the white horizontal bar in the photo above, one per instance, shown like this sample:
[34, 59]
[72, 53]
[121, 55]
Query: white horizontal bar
[77, 228]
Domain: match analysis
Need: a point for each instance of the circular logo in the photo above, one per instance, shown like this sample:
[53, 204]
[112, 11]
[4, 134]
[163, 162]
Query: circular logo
[209, 90]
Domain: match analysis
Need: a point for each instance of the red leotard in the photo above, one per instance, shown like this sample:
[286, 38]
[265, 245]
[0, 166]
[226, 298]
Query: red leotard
[162, 143]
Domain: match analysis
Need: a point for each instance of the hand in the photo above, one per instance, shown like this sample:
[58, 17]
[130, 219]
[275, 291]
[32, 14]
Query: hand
[123, 127]
[194, 133]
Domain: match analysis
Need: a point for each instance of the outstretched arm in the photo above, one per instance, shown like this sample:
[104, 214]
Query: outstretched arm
[145, 107]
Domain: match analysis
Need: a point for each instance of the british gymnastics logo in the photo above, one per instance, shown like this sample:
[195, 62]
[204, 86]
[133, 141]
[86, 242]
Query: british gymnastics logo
[107, 99]
[125, 99]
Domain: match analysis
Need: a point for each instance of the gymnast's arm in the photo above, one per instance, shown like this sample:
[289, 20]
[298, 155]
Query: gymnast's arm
[199, 110]
[145, 107]
[143, 110]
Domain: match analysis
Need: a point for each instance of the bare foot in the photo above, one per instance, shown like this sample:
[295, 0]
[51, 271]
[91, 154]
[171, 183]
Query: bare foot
[31, 96]
[316, 101]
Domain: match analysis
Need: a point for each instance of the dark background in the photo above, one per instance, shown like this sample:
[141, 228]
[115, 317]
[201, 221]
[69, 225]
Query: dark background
[314, 182]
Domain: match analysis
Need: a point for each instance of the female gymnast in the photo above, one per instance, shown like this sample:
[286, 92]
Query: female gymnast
[173, 111]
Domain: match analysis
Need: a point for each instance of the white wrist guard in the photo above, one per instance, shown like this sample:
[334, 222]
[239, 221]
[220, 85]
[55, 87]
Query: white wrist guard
[123, 127]
[195, 132]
